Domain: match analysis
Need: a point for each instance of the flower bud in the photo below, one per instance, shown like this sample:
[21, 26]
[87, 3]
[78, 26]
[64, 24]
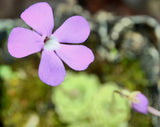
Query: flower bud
[139, 102]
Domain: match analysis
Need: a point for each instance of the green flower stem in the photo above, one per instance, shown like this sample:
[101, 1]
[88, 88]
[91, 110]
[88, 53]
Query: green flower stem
[122, 94]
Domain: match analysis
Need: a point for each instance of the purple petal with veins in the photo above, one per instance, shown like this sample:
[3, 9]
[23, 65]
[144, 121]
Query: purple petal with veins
[74, 30]
[23, 42]
[51, 69]
[39, 16]
[78, 57]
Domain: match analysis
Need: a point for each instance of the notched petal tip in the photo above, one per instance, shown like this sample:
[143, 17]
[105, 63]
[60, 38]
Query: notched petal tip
[75, 29]
[51, 69]
[39, 16]
[23, 42]
[90, 57]
[78, 57]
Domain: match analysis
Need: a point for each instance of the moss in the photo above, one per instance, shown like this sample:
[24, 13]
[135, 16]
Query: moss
[109, 109]
[73, 97]
[127, 72]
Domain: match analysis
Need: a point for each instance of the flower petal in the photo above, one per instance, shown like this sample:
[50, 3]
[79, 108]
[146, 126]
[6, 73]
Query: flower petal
[78, 57]
[40, 17]
[23, 42]
[51, 68]
[74, 30]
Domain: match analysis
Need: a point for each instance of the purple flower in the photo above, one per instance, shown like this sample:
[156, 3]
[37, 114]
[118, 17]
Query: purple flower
[139, 102]
[55, 47]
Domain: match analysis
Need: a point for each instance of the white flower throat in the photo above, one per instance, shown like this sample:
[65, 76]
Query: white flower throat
[51, 43]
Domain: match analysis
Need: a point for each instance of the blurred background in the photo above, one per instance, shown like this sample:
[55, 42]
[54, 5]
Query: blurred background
[125, 39]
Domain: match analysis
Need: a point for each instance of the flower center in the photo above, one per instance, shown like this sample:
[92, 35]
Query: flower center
[51, 43]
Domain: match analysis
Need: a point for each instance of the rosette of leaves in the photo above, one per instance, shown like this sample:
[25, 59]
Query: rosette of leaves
[73, 97]
[80, 124]
[109, 109]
